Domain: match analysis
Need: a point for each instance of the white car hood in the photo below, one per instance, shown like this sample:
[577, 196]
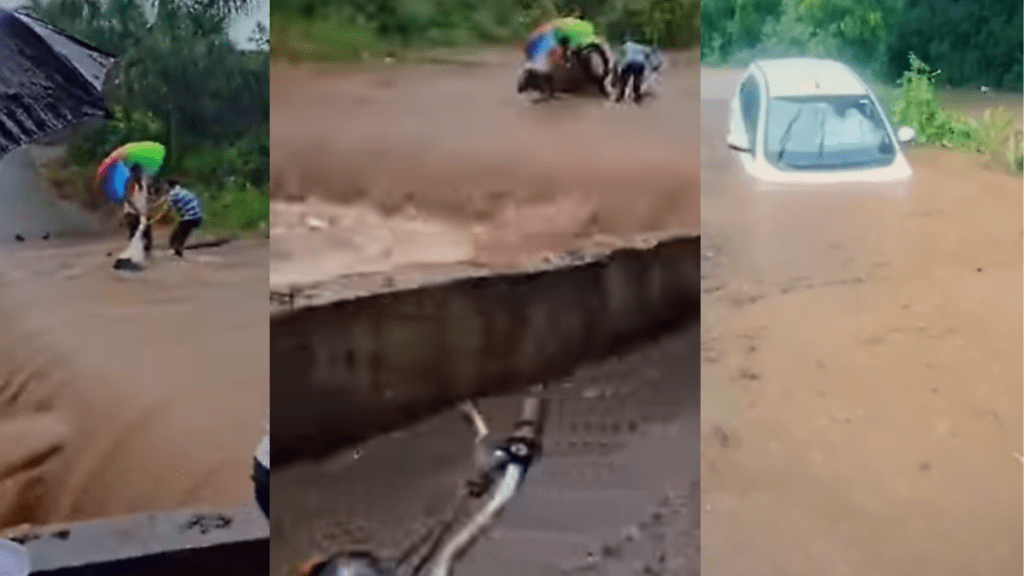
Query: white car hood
[761, 170]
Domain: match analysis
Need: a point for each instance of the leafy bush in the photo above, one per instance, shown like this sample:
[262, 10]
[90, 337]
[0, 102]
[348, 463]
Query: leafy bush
[1015, 152]
[246, 159]
[996, 136]
[916, 105]
[321, 39]
[236, 205]
[994, 131]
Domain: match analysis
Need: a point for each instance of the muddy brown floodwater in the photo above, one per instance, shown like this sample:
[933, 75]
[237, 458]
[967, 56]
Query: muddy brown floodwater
[123, 394]
[861, 370]
[376, 169]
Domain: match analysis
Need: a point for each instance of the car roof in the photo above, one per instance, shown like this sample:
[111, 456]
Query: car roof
[809, 76]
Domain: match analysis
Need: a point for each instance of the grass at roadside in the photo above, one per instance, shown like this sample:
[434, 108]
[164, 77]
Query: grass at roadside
[997, 135]
[324, 40]
[239, 206]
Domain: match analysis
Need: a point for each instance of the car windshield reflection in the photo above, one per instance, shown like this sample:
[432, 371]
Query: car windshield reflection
[826, 133]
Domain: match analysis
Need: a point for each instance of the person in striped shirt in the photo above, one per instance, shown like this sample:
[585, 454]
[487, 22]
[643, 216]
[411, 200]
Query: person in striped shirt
[190, 214]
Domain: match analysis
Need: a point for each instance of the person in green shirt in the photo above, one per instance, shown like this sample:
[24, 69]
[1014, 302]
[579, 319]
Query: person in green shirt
[575, 36]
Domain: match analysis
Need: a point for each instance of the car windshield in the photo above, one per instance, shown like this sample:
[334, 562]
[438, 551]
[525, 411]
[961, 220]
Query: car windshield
[826, 133]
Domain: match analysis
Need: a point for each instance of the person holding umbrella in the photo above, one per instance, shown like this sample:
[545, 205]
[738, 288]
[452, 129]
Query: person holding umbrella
[125, 177]
[136, 202]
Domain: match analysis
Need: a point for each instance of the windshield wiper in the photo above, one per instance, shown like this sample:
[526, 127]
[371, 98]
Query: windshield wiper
[821, 136]
[785, 135]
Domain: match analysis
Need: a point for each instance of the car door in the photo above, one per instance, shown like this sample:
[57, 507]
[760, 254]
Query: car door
[744, 114]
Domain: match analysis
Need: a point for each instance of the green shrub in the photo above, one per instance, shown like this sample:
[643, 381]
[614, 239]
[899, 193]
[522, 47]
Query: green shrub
[916, 105]
[996, 136]
[237, 205]
[1015, 152]
[321, 39]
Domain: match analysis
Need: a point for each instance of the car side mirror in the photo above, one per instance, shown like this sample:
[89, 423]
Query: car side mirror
[906, 135]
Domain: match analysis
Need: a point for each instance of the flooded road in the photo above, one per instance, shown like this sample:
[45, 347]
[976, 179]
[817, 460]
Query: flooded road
[29, 209]
[383, 167]
[129, 393]
[861, 370]
[376, 170]
[615, 491]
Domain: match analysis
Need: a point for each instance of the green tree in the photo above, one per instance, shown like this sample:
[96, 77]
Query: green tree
[180, 80]
[974, 42]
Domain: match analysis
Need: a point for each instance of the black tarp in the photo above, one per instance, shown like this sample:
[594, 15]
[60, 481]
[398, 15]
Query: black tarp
[49, 81]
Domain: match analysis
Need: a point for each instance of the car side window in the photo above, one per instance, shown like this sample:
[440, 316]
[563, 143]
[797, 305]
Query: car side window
[750, 104]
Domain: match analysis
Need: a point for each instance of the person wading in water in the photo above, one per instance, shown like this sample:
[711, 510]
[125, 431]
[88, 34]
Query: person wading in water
[190, 214]
[634, 64]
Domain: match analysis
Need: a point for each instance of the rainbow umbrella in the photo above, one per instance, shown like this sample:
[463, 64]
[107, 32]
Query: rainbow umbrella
[547, 36]
[579, 32]
[540, 42]
[113, 174]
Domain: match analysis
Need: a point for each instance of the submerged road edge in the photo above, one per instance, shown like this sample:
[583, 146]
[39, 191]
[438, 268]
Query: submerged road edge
[348, 369]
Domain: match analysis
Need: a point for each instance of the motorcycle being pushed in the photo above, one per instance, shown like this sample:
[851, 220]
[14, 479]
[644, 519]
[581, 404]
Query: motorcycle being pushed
[589, 68]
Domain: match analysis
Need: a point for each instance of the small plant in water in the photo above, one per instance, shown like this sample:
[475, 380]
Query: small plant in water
[1015, 152]
[998, 137]
[994, 130]
[916, 104]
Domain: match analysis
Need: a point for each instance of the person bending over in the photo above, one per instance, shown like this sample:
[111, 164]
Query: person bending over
[190, 215]
[636, 61]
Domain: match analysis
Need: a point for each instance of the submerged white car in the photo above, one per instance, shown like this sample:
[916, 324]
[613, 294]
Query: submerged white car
[814, 121]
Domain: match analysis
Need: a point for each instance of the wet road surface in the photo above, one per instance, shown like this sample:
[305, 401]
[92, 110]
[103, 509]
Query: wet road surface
[615, 493]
